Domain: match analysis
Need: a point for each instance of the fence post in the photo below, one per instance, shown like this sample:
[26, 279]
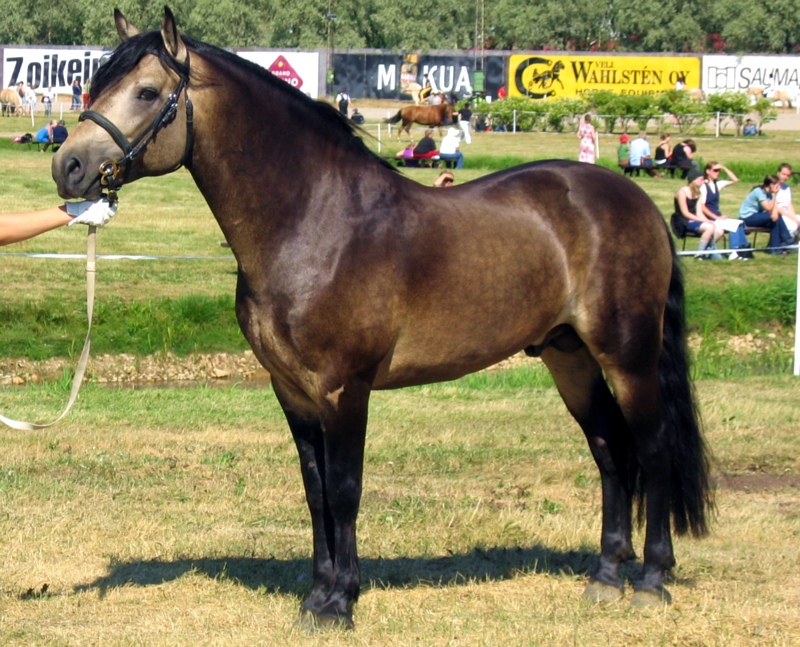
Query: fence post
[797, 322]
[718, 120]
[514, 121]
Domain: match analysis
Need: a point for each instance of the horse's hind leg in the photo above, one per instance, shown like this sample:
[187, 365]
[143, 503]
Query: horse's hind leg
[584, 390]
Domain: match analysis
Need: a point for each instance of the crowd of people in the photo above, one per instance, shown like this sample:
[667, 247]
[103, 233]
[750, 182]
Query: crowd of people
[769, 206]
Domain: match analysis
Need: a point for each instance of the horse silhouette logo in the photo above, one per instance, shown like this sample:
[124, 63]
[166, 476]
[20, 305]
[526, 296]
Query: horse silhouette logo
[542, 80]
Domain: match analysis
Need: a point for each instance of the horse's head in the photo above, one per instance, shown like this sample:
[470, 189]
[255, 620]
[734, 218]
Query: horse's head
[137, 123]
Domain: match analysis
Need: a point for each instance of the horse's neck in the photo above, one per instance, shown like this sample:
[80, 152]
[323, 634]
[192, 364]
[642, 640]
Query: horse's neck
[258, 165]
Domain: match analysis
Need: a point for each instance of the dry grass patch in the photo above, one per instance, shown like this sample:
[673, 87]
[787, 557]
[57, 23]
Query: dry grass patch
[163, 517]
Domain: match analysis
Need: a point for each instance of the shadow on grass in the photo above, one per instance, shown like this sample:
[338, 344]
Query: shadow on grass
[292, 576]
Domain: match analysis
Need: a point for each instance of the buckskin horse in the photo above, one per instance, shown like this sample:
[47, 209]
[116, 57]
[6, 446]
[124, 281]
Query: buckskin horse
[354, 278]
[9, 98]
[433, 116]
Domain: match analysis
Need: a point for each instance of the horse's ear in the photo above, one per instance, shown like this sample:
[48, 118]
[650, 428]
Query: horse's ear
[172, 39]
[125, 29]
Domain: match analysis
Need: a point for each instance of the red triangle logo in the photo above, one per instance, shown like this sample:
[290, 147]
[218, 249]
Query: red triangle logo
[281, 68]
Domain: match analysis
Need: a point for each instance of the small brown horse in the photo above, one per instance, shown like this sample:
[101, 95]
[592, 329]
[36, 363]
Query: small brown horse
[11, 101]
[434, 116]
[352, 277]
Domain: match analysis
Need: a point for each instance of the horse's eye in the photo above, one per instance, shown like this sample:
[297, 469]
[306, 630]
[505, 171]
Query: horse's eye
[148, 94]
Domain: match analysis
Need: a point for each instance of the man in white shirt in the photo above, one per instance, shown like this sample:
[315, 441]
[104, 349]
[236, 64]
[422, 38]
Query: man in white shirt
[641, 157]
[784, 198]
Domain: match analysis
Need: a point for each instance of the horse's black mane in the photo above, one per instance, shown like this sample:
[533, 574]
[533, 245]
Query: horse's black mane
[128, 54]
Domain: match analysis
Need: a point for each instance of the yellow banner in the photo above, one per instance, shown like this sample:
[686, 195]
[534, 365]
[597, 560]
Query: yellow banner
[541, 76]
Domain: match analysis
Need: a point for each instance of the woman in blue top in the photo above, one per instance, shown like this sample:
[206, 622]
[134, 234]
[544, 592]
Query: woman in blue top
[760, 209]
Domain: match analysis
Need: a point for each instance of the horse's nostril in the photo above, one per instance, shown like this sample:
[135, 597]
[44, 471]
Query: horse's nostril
[73, 170]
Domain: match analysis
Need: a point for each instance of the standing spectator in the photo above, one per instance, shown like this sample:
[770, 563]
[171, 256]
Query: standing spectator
[76, 95]
[22, 91]
[30, 95]
[343, 101]
[47, 100]
[588, 137]
[449, 148]
[624, 154]
[85, 95]
[464, 116]
[784, 198]
[760, 209]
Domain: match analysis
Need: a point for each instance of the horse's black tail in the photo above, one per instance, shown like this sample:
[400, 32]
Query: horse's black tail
[692, 498]
[394, 119]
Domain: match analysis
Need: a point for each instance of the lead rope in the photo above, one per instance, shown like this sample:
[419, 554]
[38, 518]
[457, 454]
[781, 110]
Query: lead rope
[83, 360]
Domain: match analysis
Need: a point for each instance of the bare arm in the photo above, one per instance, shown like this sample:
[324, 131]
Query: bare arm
[15, 227]
[731, 175]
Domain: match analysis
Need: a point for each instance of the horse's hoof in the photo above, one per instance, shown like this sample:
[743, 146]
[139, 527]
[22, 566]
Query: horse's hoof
[313, 622]
[598, 592]
[650, 598]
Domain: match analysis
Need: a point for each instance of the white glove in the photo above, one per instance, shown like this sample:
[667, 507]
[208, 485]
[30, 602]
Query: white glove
[91, 212]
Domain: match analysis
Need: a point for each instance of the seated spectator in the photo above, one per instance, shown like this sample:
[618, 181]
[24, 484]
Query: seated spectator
[663, 154]
[688, 215]
[59, 134]
[449, 148]
[785, 204]
[445, 180]
[407, 153]
[760, 209]
[624, 154]
[357, 118]
[709, 201]
[45, 135]
[749, 129]
[426, 145]
[641, 158]
[683, 157]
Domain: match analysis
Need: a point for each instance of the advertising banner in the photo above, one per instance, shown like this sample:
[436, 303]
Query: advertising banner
[544, 76]
[393, 76]
[298, 69]
[55, 67]
[742, 73]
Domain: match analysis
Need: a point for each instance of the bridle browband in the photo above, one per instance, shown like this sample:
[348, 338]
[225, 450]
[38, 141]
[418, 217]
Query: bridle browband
[109, 170]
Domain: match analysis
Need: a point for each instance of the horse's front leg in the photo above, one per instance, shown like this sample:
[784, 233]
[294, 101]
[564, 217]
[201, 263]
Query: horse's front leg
[331, 450]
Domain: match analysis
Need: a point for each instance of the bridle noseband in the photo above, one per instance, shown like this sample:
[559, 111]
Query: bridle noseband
[110, 169]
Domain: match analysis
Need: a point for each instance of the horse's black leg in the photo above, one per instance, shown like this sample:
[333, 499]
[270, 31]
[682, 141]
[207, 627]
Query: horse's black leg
[585, 393]
[331, 449]
[639, 396]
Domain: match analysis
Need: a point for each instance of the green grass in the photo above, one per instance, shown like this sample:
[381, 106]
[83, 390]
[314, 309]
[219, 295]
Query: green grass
[183, 307]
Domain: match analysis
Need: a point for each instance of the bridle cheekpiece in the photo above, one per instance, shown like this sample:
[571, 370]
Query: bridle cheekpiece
[110, 169]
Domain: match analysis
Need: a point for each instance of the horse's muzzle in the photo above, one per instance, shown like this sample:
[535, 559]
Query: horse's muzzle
[74, 177]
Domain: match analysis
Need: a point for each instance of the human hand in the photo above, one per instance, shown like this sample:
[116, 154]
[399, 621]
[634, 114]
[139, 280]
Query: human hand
[95, 213]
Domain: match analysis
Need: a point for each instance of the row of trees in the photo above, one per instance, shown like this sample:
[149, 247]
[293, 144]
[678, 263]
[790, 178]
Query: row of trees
[731, 26]
[674, 110]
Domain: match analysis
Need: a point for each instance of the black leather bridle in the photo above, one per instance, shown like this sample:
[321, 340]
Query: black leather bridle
[110, 169]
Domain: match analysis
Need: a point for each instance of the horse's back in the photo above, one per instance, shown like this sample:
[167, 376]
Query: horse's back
[514, 255]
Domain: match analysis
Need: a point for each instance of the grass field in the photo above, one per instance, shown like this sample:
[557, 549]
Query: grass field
[176, 516]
